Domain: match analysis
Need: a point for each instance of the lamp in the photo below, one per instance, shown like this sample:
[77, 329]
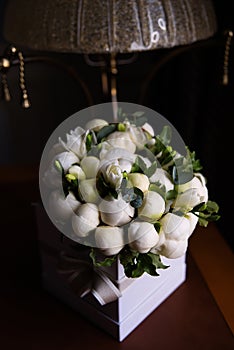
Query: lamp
[107, 26]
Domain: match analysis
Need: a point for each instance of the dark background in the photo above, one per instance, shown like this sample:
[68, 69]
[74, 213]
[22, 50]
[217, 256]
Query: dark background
[183, 85]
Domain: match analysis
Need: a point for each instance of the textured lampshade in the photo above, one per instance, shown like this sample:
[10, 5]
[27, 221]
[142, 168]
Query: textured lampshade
[107, 26]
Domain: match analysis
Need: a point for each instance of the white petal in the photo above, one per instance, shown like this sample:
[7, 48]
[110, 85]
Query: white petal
[175, 226]
[152, 208]
[96, 124]
[88, 191]
[142, 236]
[110, 240]
[90, 166]
[85, 220]
[163, 177]
[77, 172]
[115, 212]
[121, 140]
[173, 249]
[61, 208]
[139, 180]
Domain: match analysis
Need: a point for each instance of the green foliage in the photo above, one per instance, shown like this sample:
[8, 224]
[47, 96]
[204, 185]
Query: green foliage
[106, 262]
[135, 263]
[206, 212]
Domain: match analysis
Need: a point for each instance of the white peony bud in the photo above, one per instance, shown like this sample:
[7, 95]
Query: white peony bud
[110, 240]
[60, 207]
[175, 226]
[121, 139]
[152, 208]
[96, 124]
[116, 212]
[77, 172]
[191, 193]
[161, 240]
[142, 236]
[87, 190]
[85, 220]
[173, 249]
[139, 180]
[90, 166]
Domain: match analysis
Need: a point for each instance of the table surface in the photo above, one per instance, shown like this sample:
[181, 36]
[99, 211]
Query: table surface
[33, 319]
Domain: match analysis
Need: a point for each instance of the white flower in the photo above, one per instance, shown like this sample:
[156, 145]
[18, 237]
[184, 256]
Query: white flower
[142, 236]
[173, 249]
[161, 240]
[87, 190]
[60, 207]
[115, 212]
[76, 142]
[163, 177]
[118, 153]
[66, 159]
[53, 176]
[148, 128]
[152, 208]
[110, 240]
[191, 194]
[113, 174]
[138, 136]
[77, 172]
[90, 166]
[175, 226]
[121, 139]
[96, 124]
[125, 165]
[85, 220]
[139, 180]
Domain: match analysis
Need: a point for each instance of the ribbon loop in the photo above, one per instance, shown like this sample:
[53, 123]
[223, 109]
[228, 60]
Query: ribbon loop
[83, 278]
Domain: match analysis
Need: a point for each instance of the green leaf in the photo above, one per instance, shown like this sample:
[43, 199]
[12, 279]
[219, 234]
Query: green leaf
[171, 194]
[106, 262]
[89, 140]
[133, 195]
[156, 261]
[104, 189]
[135, 263]
[159, 188]
[105, 131]
[157, 226]
[139, 166]
[206, 212]
[151, 170]
[195, 162]
[165, 135]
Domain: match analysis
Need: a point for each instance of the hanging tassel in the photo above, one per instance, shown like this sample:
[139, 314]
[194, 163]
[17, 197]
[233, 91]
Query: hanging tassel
[5, 63]
[25, 100]
[226, 58]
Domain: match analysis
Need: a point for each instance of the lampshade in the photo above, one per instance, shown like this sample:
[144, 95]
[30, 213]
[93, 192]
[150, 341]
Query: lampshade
[107, 26]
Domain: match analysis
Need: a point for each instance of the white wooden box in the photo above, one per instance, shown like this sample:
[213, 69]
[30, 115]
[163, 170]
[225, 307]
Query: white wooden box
[119, 318]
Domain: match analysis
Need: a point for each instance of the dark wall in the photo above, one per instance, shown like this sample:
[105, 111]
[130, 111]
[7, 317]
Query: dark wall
[183, 85]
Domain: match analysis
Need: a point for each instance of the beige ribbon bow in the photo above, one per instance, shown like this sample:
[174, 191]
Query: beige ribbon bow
[84, 278]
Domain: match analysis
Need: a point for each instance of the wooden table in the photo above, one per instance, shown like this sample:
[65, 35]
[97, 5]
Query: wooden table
[31, 319]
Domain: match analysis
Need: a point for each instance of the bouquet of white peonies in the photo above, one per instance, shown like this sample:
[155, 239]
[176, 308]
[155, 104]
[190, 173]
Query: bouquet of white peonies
[127, 193]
